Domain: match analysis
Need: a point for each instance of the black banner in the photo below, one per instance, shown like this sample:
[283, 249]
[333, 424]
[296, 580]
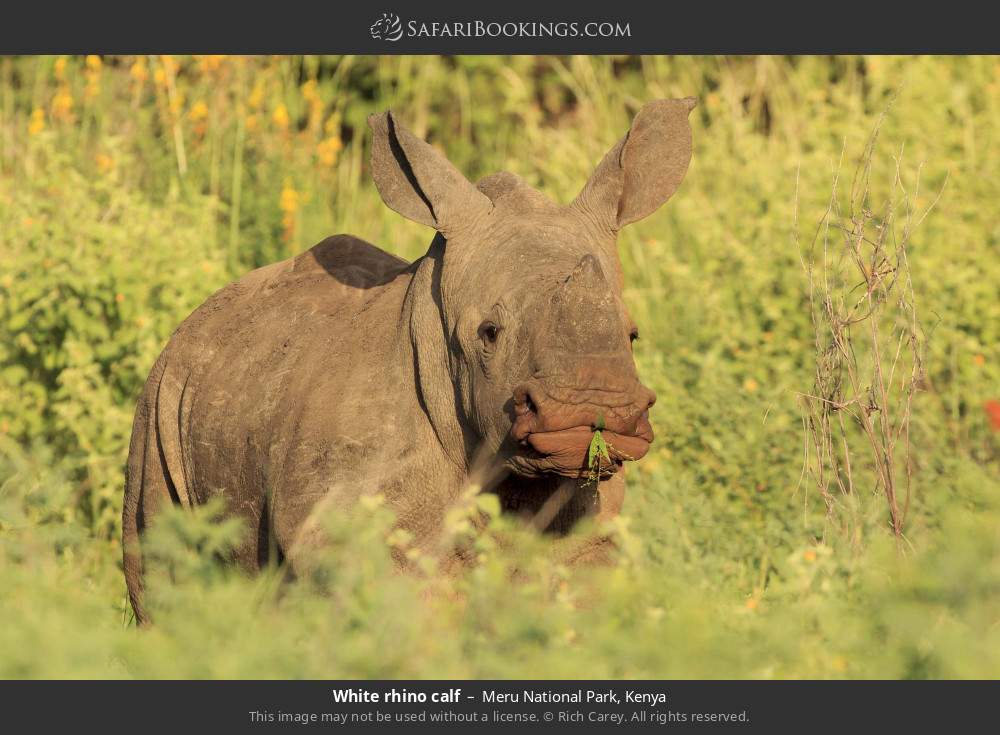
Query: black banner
[451, 27]
[684, 706]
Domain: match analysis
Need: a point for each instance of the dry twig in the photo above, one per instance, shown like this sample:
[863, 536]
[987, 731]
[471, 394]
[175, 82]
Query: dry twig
[869, 343]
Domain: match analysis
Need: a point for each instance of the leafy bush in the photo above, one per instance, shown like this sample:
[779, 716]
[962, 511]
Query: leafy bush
[95, 279]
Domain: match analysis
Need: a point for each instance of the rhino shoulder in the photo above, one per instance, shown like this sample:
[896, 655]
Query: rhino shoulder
[341, 273]
[351, 261]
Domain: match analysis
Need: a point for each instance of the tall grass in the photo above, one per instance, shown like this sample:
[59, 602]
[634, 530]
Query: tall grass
[131, 188]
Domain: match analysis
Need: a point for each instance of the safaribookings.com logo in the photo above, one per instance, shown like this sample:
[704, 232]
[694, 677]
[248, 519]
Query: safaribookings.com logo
[387, 28]
[390, 28]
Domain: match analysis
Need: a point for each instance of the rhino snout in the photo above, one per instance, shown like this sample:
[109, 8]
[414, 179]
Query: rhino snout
[538, 409]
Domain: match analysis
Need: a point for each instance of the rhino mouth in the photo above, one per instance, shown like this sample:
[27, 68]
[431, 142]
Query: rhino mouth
[565, 452]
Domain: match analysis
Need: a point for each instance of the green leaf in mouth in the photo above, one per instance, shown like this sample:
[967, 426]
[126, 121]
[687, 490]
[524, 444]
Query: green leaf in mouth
[597, 451]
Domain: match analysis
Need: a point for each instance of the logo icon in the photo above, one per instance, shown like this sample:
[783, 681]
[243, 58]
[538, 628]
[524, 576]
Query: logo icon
[387, 28]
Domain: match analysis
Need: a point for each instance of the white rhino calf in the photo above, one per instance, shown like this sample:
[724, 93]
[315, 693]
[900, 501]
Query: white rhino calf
[347, 371]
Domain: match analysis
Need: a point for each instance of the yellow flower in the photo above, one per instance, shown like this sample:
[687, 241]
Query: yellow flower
[289, 201]
[251, 123]
[328, 149]
[159, 77]
[104, 162]
[198, 111]
[750, 385]
[37, 123]
[209, 64]
[256, 97]
[60, 68]
[198, 114]
[809, 555]
[169, 63]
[310, 91]
[280, 117]
[752, 603]
[93, 74]
[332, 125]
[289, 204]
[980, 360]
[139, 71]
[119, 297]
[62, 104]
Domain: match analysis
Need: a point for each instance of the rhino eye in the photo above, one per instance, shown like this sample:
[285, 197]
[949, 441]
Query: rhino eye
[634, 334]
[488, 332]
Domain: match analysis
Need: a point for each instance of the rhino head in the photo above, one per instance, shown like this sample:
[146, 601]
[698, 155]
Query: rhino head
[522, 341]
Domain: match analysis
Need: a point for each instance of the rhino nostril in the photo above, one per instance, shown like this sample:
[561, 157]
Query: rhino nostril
[526, 417]
[524, 402]
[650, 398]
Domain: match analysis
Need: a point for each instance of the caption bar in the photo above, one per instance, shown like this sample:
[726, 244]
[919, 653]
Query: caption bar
[621, 706]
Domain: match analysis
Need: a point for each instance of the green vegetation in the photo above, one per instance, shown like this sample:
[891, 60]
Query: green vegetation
[131, 189]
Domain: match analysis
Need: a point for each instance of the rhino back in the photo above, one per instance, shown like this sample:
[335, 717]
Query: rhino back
[272, 381]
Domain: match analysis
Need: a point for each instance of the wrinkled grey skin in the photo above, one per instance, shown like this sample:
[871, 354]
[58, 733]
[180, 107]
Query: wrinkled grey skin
[346, 371]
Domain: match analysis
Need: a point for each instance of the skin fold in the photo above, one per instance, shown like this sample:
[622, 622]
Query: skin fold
[346, 371]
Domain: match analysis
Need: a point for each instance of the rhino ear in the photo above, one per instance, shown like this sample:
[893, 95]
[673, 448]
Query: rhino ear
[644, 168]
[418, 182]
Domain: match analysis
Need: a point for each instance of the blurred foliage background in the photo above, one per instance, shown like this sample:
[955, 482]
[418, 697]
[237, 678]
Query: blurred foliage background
[131, 188]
